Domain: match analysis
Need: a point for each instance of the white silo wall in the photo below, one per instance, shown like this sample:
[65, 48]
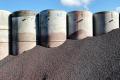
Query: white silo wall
[80, 24]
[52, 27]
[24, 22]
[4, 34]
[105, 22]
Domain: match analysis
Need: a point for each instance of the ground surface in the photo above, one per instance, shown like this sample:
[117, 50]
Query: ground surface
[96, 58]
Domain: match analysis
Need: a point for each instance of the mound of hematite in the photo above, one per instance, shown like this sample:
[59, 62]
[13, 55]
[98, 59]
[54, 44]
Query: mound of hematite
[96, 58]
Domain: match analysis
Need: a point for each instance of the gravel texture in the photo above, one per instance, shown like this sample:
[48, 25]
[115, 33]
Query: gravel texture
[96, 58]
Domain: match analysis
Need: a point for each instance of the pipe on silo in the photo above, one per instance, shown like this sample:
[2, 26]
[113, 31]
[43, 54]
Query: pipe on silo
[52, 28]
[105, 22]
[4, 34]
[80, 25]
[23, 31]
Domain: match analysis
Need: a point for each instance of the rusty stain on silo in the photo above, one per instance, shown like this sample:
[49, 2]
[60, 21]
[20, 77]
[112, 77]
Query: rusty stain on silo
[105, 22]
[4, 32]
[23, 31]
[52, 28]
[80, 25]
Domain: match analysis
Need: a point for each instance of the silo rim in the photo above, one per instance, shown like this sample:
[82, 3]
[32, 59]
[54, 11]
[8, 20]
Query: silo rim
[79, 11]
[103, 12]
[5, 11]
[23, 13]
[53, 10]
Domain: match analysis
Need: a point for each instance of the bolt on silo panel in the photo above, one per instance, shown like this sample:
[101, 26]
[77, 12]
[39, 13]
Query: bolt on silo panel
[80, 25]
[52, 28]
[4, 34]
[105, 22]
[23, 31]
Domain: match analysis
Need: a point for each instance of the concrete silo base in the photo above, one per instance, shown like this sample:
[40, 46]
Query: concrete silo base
[4, 50]
[80, 34]
[24, 46]
[53, 40]
[27, 37]
[52, 44]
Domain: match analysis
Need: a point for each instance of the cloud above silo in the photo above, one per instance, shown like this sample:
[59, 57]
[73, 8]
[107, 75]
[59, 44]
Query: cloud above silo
[76, 2]
[118, 9]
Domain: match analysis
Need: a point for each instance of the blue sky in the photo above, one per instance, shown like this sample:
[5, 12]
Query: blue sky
[39, 5]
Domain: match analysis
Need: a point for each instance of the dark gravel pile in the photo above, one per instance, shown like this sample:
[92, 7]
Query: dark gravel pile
[96, 58]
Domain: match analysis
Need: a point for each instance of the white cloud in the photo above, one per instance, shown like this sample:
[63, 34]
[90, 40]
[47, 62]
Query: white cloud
[75, 2]
[118, 9]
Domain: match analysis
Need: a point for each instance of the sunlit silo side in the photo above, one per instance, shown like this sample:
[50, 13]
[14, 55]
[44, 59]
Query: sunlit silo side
[23, 31]
[80, 25]
[105, 22]
[52, 28]
[4, 34]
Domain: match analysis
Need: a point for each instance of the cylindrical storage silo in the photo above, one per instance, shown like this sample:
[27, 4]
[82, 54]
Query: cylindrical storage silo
[52, 28]
[80, 25]
[4, 32]
[105, 22]
[23, 31]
